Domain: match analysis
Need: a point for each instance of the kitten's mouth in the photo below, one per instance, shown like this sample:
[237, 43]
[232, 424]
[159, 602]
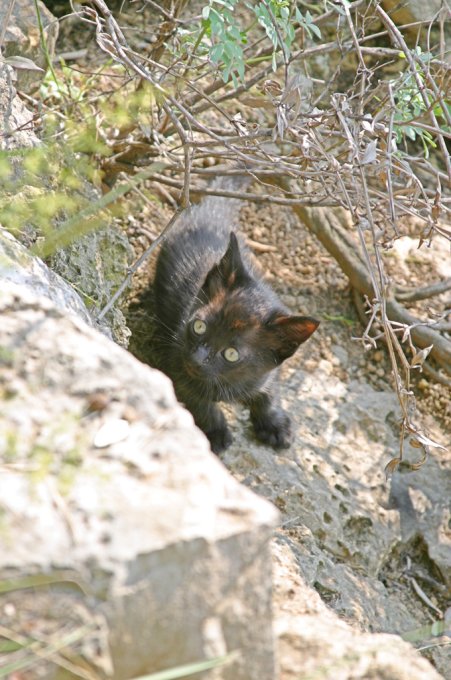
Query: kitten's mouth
[192, 370]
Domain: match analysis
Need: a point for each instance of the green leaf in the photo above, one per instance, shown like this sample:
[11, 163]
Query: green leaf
[226, 73]
[216, 52]
[234, 32]
[316, 30]
[298, 15]
[215, 17]
[240, 69]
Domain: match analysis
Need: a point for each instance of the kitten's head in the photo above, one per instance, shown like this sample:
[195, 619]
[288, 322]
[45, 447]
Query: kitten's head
[236, 333]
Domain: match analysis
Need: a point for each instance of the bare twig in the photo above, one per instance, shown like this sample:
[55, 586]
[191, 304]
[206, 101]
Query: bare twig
[414, 294]
[343, 154]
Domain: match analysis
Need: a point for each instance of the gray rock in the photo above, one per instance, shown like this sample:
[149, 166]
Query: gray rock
[19, 267]
[315, 643]
[350, 533]
[22, 38]
[16, 127]
[156, 555]
[96, 265]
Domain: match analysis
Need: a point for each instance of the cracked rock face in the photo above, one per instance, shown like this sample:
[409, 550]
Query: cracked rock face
[347, 534]
[109, 493]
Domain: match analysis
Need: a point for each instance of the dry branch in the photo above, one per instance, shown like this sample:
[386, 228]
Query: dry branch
[326, 226]
[344, 154]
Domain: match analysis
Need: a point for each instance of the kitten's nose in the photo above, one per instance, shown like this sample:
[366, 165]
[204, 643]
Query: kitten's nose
[200, 355]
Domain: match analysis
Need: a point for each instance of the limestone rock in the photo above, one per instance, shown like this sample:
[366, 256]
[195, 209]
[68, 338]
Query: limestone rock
[314, 642]
[144, 553]
[19, 267]
[355, 538]
[16, 126]
[22, 38]
[96, 264]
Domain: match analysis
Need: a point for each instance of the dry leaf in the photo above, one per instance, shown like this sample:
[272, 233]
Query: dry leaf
[391, 466]
[370, 154]
[257, 102]
[22, 63]
[419, 358]
[425, 441]
[272, 87]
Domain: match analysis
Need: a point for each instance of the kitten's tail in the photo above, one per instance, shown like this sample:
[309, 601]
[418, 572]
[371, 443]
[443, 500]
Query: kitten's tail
[221, 209]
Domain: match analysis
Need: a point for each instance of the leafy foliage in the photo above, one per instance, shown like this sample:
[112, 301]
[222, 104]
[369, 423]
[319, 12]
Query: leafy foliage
[228, 39]
[411, 106]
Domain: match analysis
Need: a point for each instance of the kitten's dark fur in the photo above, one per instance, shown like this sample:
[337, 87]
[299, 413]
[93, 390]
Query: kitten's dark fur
[211, 305]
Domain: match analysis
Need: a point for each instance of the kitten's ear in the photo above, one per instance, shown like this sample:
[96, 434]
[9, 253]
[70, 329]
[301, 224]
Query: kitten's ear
[286, 333]
[228, 273]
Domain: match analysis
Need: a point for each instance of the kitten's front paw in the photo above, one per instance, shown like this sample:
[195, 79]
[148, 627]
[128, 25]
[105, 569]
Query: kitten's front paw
[274, 430]
[220, 439]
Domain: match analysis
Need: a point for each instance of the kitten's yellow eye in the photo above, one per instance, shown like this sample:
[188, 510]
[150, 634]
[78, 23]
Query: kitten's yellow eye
[231, 354]
[199, 327]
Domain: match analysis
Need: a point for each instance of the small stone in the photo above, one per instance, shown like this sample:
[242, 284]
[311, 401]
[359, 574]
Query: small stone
[423, 384]
[113, 431]
[378, 355]
[310, 365]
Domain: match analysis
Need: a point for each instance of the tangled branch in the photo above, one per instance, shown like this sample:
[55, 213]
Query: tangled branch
[311, 143]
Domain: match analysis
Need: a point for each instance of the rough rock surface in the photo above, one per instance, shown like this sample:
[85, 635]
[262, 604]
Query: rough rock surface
[22, 38]
[315, 643]
[19, 267]
[96, 265]
[354, 538]
[156, 556]
[16, 127]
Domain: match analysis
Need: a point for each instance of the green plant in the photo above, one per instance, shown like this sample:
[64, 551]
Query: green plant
[410, 105]
[228, 39]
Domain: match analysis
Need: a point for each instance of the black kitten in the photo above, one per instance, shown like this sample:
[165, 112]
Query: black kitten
[222, 331]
